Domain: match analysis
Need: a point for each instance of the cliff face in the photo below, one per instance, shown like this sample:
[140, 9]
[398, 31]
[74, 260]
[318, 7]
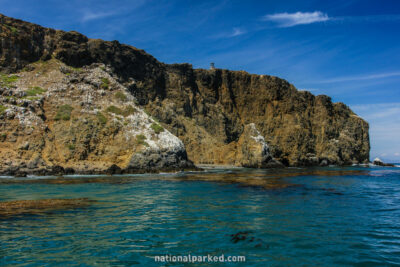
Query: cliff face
[216, 113]
[300, 128]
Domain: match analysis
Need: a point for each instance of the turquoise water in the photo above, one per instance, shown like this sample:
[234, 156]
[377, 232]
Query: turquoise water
[305, 217]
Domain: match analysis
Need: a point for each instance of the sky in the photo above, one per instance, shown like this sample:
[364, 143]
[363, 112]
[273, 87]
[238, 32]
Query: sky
[347, 49]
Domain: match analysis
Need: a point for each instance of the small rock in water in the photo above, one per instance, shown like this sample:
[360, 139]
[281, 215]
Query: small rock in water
[379, 162]
[239, 236]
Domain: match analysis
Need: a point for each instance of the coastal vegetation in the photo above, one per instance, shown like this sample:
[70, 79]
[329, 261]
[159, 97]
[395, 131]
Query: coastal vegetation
[128, 110]
[34, 91]
[120, 96]
[7, 80]
[105, 83]
[64, 113]
[141, 140]
[157, 128]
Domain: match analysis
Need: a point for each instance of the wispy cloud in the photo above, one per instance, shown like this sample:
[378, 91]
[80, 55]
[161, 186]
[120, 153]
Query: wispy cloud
[360, 77]
[89, 15]
[237, 32]
[378, 111]
[367, 18]
[233, 33]
[299, 18]
[285, 20]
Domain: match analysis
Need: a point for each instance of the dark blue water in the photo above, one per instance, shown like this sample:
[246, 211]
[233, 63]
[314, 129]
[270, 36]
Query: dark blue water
[304, 217]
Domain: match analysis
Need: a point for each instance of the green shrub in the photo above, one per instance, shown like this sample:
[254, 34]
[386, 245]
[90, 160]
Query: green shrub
[71, 146]
[2, 109]
[9, 97]
[64, 113]
[115, 110]
[33, 98]
[105, 83]
[7, 80]
[12, 29]
[140, 140]
[147, 112]
[101, 118]
[76, 69]
[36, 90]
[157, 128]
[129, 110]
[3, 137]
[120, 96]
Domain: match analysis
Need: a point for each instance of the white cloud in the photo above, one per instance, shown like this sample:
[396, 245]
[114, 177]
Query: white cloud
[397, 154]
[298, 18]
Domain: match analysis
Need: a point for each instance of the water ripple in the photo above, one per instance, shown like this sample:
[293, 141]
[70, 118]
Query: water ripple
[331, 217]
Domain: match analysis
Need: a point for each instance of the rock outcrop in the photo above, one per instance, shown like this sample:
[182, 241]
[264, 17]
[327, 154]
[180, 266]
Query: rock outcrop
[209, 110]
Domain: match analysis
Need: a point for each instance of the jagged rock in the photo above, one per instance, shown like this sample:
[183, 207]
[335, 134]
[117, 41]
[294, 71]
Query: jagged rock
[114, 169]
[24, 146]
[323, 163]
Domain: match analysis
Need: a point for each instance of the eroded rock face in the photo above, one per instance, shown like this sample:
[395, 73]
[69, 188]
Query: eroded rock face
[62, 120]
[207, 109]
[253, 151]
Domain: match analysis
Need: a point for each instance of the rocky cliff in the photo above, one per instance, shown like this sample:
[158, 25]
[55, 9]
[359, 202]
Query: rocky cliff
[221, 116]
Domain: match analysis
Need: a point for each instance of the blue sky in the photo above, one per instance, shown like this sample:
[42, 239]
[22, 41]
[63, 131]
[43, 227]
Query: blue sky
[347, 49]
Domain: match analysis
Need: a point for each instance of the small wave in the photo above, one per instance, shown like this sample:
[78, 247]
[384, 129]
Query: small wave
[6, 177]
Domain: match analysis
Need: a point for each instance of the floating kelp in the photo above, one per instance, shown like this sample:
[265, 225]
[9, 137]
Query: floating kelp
[19, 207]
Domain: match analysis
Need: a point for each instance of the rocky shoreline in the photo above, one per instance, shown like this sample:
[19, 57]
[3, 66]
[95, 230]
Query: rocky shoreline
[113, 169]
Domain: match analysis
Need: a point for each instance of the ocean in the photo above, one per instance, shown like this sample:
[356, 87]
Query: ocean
[329, 216]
